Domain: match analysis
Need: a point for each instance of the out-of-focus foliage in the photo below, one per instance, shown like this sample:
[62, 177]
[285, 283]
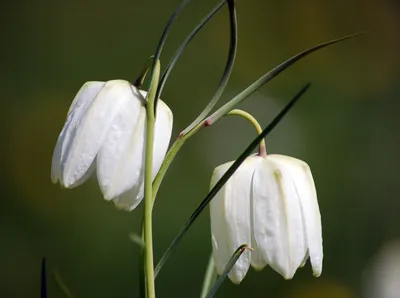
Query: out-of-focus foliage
[346, 128]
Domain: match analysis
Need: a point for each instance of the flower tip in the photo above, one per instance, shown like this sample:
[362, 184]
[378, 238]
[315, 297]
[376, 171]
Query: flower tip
[317, 274]
[317, 271]
[257, 267]
[236, 278]
[287, 277]
[53, 179]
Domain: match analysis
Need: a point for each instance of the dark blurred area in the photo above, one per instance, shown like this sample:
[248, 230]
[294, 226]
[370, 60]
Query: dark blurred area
[345, 128]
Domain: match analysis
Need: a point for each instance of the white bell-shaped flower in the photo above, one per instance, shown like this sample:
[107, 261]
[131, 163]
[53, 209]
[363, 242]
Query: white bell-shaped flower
[105, 131]
[269, 203]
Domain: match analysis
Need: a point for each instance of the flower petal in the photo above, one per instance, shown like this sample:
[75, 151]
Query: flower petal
[278, 231]
[128, 201]
[120, 161]
[77, 111]
[304, 183]
[92, 130]
[230, 218]
[120, 158]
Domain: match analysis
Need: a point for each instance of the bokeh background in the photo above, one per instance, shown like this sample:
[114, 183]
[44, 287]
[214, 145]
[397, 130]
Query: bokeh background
[346, 128]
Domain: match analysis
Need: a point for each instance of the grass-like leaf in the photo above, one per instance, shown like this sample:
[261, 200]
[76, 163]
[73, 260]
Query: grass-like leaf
[225, 178]
[272, 74]
[163, 38]
[236, 255]
[178, 53]
[227, 71]
[43, 283]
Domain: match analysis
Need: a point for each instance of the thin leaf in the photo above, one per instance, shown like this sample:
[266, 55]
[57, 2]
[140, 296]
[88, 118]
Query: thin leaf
[43, 284]
[225, 178]
[182, 47]
[272, 74]
[142, 76]
[227, 72]
[209, 277]
[236, 255]
[61, 284]
[163, 38]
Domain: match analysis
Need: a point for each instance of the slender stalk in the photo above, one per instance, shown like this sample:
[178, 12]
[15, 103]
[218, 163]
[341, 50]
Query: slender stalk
[148, 190]
[176, 146]
[262, 151]
[209, 278]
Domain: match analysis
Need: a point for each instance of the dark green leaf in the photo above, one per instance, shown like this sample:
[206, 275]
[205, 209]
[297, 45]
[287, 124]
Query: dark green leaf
[236, 255]
[43, 284]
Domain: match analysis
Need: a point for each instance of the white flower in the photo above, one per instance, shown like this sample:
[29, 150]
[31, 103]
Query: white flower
[105, 131]
[269, 203]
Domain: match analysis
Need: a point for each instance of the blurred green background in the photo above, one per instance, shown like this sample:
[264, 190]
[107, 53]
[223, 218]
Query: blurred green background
[346, 128]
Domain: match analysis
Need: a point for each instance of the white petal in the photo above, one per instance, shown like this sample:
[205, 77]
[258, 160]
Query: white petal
[120, 162]
[277, 220]
[230, 218]
[93, 129]
[162, 135]
[304, 183]
[120, 158]
[127, 201]
[76, 112]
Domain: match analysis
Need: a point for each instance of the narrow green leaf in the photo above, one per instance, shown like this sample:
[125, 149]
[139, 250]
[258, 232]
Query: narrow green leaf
[227, 72]
[140, 79]
[43, 283]
[209, 278]
[225, 178]
[236, 255]
[163, 38]
[60, 283]
[272, 74]
[182, 47]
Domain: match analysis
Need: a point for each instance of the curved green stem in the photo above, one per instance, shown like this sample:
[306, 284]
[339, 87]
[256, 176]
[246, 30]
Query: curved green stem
[262, 151]
[176, 146]
[148, 190]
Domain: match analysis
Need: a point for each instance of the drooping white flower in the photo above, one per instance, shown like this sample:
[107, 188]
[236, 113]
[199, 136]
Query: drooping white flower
[269, 203]
[105, 131]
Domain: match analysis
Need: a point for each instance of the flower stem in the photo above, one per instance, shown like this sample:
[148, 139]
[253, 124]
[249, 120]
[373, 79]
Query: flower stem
[176, 146]
[148, 195]
[262, 151]
[209, 278]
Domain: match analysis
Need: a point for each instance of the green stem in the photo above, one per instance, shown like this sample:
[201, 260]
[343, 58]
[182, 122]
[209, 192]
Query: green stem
[262, 151]
[176, 146]
[209, 278]
[148, 191]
